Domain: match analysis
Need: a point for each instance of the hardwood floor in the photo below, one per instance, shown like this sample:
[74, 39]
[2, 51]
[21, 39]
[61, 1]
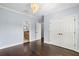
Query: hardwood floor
[37, 49]
[26, 36]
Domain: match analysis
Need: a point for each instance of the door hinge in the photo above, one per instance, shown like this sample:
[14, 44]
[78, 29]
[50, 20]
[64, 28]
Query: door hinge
[74, 32]
[74, 19]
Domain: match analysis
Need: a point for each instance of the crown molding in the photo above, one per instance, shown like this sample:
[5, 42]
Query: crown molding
[15, 11]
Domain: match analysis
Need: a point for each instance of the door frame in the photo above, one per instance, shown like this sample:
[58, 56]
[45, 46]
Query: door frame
[76, 32]
[27, 30]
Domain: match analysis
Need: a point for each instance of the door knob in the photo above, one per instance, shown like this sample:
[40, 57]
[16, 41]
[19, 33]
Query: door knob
[60, 34]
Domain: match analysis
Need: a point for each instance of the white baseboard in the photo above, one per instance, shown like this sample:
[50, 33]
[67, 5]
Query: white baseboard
[13, 45]
[76, 50]
[61, 46]
[10, 45]
[46, 42]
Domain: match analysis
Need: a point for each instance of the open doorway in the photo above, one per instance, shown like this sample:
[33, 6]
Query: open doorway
[40, 30]
[26, 31]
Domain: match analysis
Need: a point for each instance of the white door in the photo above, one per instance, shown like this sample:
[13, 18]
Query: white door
[62, 32]
[38, 31]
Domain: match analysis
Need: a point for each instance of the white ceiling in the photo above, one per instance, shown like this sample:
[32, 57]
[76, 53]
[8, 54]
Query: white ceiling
[44, 8]
[54, 7]
[16, 6]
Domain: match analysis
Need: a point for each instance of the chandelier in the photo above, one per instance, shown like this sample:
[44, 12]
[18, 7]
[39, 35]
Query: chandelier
[35, 7]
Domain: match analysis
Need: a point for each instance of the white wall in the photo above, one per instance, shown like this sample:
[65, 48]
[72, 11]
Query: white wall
[11, 28]
[73, 11]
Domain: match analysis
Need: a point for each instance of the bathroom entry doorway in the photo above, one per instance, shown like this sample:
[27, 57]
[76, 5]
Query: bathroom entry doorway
[26, 31]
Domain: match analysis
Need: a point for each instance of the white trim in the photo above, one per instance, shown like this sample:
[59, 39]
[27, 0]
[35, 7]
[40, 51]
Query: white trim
[15, 11]
[11, 45]
[76, 50]
[76, 31]
[46, 42]
[14, 44]
[61, 46]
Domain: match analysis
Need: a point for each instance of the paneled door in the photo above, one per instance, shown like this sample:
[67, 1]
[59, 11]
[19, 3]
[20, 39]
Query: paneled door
[38, 31]
[62, 32]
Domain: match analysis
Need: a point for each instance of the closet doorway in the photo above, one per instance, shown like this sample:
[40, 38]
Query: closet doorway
[62, 32]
